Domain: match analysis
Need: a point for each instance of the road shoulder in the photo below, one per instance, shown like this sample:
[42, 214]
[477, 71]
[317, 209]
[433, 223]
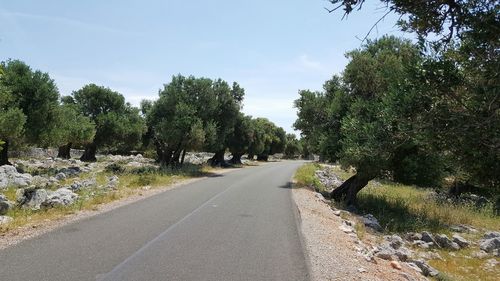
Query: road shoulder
[335, 254]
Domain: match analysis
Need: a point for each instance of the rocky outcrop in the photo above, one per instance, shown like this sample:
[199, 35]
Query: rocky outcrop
[490, 245]
[444, 242]
[462, 242]
[83, 184]
[10, 177]
[426, 269]
[60, 197]
[5, 205]
[31, 198]
[328, 179]
[370, 221]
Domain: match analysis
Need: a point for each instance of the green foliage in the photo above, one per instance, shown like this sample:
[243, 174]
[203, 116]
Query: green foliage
[359, 120]
[119, 127]
[194, 114]
[318, 119]
[242, 135]
[30, 100]
[293, 148]
[74, 127]
[114, 168]
[455, 88]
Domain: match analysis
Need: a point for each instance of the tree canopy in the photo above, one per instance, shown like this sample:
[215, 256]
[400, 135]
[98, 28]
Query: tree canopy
[119, 126]
[29, 102]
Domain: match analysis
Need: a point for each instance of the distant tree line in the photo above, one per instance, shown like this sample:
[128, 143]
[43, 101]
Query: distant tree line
[414, 112]
[191, 114]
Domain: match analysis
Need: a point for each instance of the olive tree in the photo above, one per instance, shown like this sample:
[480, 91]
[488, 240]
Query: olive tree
[119, 126]
[29, 103]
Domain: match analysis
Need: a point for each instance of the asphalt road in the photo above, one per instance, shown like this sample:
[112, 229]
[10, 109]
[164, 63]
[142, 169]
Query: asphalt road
[238, 226]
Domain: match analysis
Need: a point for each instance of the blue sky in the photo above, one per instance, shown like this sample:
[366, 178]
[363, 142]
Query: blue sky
[272, 48]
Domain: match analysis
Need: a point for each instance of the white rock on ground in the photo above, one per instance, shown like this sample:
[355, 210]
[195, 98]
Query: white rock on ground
[372, 222]
[10, 177]
[462, 242]
[31, 198]
[336, 255]
[490, 245]
[5, 219]
[60, 197]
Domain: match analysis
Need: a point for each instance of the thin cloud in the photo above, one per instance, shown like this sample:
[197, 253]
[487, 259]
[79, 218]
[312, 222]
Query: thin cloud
[65, 21]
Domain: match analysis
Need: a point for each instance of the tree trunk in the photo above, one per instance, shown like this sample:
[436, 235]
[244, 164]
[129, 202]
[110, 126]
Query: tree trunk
[183, 156]
[64, 151]
[262, 157]
[218, 159]
[89, 153]
[4, 154]
[176, 158]
[236, 159]
[349, 189]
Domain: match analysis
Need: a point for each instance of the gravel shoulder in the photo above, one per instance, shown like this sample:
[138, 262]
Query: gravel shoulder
[29, 231]
[335, 254]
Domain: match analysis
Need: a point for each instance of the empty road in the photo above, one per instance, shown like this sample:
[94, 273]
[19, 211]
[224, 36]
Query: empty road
[238, 226]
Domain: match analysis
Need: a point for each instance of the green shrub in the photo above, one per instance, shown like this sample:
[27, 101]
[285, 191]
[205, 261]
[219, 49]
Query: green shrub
[114, 168]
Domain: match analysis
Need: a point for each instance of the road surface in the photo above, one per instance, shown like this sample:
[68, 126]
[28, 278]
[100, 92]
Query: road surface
[241, 225]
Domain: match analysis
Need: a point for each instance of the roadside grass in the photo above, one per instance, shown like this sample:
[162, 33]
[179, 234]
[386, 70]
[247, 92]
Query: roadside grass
[131, 182]
[305, 177]
[460, 266]
[403, 208]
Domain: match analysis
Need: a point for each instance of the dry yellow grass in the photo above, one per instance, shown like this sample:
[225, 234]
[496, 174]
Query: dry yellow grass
[402, 208]
[90, 199]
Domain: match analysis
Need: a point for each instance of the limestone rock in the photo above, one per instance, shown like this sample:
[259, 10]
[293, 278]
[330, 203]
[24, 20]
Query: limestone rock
[113, 182]
[403, 254]
[31, 197]
[412, 236]
[60, 176]
[462, 242]
[5, 205]
[489, 245]
[427, 237]
[491, 234]
[5, 219]
[370, 221]
[60, 197]
[328, 179]
[444, 242]
[427, 270]
[395, 241]
[423, 244]
[479, 254]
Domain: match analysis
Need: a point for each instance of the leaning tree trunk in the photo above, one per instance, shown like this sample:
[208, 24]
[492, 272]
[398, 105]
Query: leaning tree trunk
[64, 151]
[218, 159]
[89, 153]
[4, 154]
[236, 159]
[349, 189]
